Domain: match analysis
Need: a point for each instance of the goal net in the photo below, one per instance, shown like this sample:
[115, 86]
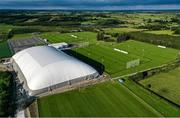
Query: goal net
[133, 63]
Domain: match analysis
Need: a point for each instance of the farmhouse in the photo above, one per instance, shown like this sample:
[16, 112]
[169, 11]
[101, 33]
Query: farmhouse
[44, 68]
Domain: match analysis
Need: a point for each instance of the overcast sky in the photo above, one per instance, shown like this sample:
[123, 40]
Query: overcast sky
[90, 4]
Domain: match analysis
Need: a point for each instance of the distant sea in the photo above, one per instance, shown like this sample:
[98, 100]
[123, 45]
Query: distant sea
[130, 11]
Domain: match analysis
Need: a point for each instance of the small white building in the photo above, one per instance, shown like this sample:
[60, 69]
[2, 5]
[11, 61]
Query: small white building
[60, 46]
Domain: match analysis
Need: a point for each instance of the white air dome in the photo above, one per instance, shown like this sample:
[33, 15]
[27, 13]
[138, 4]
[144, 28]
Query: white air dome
[44, 66]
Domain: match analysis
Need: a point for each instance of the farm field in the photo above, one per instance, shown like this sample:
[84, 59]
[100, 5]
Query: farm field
[56, 37]
[115, 62]
[122, 30]
[166, 84]
[164, 32]
[5, 28]
[4, 50]
[106, 99]
[22, 36]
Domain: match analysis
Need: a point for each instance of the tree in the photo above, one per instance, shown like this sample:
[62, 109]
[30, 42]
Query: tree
[149, 20]
[110, 22]
[178, 57]
[149, 85]
[123, 37]
[177, 31]
[100, 36]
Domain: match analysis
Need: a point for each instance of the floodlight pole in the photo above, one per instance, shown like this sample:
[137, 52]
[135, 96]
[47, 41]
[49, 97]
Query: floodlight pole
[102, 61]
[143, 53]
[76, 51]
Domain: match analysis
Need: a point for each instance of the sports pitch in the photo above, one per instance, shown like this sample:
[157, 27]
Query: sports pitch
[115, 62]
[166, 84]
[110, 99]
[106, 99]
[56, 37]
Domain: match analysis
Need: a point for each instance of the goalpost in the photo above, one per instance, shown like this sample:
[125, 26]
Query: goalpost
[133, 63]
[83, 44]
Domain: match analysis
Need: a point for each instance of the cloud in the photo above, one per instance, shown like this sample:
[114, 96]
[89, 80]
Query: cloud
[88, 4]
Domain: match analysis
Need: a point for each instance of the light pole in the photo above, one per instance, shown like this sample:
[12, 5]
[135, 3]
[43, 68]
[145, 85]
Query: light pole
[102, 62]
[142, 53]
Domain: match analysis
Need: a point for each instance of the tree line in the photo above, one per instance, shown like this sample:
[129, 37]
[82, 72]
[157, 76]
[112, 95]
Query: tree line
[5, 94]
[165, 40]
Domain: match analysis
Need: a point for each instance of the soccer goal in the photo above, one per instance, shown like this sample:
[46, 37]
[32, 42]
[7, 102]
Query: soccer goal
[83, 44]
[133, 63]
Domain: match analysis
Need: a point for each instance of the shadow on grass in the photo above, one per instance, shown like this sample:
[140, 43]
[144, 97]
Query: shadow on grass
[96, 65]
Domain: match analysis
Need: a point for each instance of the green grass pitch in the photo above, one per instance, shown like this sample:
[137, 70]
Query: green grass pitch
[106, 99]
[110, 99]
[115, 62]
[56, 37]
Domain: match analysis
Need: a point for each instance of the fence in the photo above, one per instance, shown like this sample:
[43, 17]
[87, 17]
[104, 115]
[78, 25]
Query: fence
[150, 72]
[136, 77]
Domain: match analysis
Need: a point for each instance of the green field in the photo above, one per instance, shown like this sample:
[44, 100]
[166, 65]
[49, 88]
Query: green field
[115, 62]
[161, 105]
[112, 99]
[56, 37]
[166, 84]
[4, 50]
[22, 36]
[122, 30]
[5, 28]
[164, 32]
[106, 99]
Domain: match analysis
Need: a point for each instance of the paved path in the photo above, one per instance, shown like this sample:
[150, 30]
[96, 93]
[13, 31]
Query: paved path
[78, 85]
[20, 114]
